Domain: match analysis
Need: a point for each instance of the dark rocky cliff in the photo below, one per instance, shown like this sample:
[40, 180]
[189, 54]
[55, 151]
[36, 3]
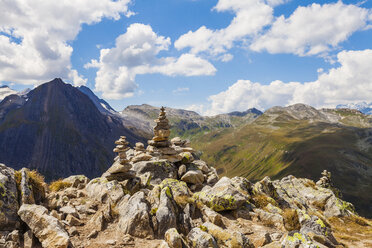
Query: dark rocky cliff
[58, 130]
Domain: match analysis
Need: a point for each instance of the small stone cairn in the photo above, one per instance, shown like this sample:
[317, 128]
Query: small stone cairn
[121, 148]
[325, 180]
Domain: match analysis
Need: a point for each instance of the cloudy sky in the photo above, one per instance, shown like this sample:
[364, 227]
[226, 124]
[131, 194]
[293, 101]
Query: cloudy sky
[211, 56]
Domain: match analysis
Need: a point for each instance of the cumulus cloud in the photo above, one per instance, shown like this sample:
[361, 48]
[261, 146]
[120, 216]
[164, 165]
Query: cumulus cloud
[35, 36]
[312, 30]
[136, 52]
[350, 82]
[250, 17]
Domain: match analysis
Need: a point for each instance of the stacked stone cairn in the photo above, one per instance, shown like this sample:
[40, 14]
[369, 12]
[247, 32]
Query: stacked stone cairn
[325, 180]
[160, 146]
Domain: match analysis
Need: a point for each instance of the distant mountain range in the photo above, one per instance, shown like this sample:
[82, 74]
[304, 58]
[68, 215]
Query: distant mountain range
[365, 108]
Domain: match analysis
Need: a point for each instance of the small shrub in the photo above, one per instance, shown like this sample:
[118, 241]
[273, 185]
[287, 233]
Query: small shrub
[291, 221]
[59, 185]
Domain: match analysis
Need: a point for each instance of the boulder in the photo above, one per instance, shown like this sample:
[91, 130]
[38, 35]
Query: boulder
[173, 238]
[222, 196]
[77, 181]
[103, 190]
[202, 165]
[8, 199]
[227, 238]
[159, 170]
[187, 157]
[46, 228]
[118, 172]
[193, 177]
[200, 239]
[166, 214]
[181, 193]
[134, 216]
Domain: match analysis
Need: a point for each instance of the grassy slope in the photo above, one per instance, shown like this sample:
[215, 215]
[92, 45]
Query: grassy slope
[295, 147]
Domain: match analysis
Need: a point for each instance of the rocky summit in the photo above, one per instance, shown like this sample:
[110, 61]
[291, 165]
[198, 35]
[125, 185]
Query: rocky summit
[165, 196]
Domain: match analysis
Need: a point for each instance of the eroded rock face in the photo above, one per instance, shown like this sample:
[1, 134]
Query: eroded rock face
[8, 199]
[46, 228]
[134, 216]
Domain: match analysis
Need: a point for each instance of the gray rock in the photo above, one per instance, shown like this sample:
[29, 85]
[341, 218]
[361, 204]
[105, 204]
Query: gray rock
[103, 190]
[77, 181]
[159, 170]
[134, 218]
[46, 228]
[8, 199]
[181, 170]
[173, 238]
[166, 215]
[222, 196]
[200, 239]
[193, 177]
[227, 238]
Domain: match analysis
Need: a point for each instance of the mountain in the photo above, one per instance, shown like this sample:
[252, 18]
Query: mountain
[59, 131]
[302, 141]
[6, 91]
[365, 108]
[187, 123]
[101, 104]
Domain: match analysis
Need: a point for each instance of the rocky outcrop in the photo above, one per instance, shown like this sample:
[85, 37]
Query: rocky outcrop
[46, 228]
[134, 216]
[8, 199]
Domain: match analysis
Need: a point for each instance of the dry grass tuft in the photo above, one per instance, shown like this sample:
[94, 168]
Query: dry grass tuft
[310, 184]
[37, 180]
[261, 201]
[291, 221]
[59, 185]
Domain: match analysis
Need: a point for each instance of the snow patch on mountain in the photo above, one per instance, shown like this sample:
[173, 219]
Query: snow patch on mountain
[364, 107]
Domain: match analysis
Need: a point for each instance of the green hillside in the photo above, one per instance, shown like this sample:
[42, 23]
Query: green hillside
[279, 143]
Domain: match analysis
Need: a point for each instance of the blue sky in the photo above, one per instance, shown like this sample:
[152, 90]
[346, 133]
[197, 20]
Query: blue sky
[211, 56]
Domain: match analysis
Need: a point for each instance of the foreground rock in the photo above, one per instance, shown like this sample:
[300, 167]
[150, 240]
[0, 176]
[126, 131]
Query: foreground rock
[8, 199]
[46, 228]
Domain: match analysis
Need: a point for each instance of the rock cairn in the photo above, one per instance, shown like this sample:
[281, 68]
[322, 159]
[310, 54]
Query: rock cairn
[121, 148]
[325, 180]
[161, 131]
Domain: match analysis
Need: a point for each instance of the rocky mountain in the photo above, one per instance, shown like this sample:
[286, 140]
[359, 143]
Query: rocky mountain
[59, 131]
[301, 141]
[101, 104]
[6, 91]
[189, 124]
[165, 196]
[365, 108]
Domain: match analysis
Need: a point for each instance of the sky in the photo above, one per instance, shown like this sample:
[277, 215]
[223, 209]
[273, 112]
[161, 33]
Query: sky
[210, 56]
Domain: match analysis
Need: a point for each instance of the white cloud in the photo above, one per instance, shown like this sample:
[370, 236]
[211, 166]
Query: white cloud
[350, 82]
[35, 36]
[250, 17]
[312, 30]
[180, 90]
[135, 53]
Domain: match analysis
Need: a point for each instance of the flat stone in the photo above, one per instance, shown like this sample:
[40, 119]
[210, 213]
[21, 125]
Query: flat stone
[193, 177]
